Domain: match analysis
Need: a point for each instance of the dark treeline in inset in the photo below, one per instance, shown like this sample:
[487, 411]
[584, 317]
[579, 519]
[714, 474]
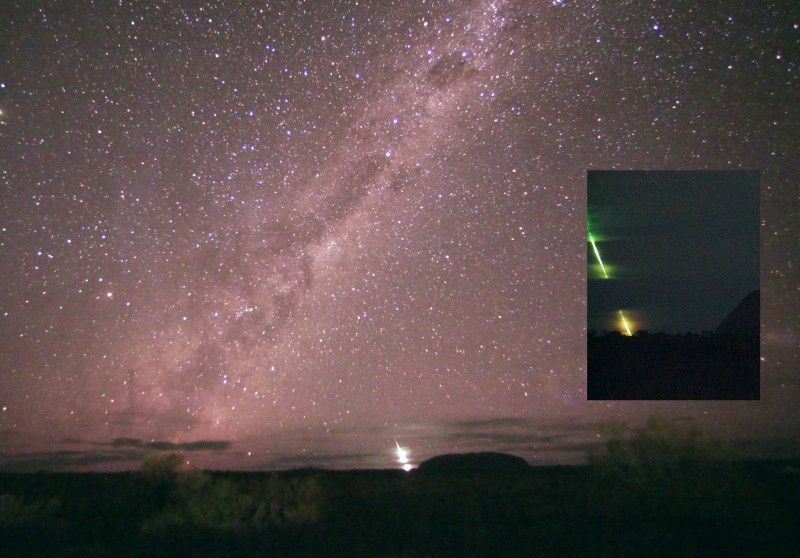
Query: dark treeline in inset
[663, 366]
[663, 490]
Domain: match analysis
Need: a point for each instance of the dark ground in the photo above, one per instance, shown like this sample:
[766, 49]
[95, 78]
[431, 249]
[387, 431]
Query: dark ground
[662, 366]
[668, 509]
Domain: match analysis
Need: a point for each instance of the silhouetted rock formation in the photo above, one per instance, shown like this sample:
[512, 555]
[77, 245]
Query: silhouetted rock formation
[481, 461]
[744, 320]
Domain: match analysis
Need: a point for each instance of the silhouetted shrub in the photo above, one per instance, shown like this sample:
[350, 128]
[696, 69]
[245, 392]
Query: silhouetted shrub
[295, 500]
[161, 466]
[660, 459]
[16, 513]
[202, 501]
[192, 480]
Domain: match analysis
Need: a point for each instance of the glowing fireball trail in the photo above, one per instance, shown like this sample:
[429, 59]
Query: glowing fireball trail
[605, 275]
[597, 254]
[625, 323]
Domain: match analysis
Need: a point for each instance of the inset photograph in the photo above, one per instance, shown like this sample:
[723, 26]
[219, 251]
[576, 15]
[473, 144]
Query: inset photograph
[673, 308]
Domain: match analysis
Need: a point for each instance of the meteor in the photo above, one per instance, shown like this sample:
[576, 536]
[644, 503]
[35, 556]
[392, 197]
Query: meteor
[402, 457]
[605, 274]
[402, 454]
[597, 254]
[625, 324]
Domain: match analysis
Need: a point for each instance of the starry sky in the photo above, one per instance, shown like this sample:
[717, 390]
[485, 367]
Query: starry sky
[271, 234]
[681, 249]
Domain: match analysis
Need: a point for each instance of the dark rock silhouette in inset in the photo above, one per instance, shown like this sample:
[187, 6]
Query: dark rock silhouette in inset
[744, 320]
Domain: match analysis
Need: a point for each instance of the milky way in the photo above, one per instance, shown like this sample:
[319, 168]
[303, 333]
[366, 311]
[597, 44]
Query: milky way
[241, 222]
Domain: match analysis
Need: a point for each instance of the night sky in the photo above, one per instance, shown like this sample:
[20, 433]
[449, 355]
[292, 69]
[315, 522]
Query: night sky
[681, 248]
[293, 234]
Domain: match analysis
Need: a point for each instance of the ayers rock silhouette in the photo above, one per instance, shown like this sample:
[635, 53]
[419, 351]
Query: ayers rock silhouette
[480, 461]
[744, 320]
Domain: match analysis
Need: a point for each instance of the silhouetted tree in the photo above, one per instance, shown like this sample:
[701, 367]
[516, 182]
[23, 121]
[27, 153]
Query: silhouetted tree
[661, 461]
[161, 466]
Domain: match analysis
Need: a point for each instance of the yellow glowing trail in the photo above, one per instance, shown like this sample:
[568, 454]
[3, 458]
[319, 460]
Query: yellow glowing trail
[625, 323]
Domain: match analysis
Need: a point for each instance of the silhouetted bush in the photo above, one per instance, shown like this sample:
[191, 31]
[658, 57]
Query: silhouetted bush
[200, 501]
[660, 462]
[295, 500]
[161, 466]
[16, 513]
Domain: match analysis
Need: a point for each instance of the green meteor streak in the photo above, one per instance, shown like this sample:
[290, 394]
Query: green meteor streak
[597, 254]
[605, 274]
